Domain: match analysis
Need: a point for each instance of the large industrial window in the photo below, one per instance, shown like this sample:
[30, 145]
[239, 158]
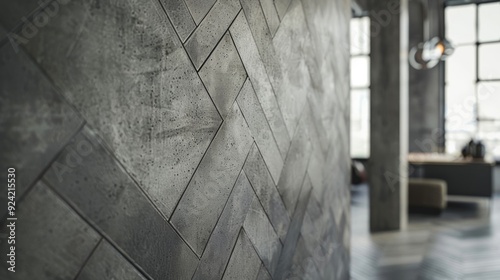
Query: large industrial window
[360, 87]
[472, 84]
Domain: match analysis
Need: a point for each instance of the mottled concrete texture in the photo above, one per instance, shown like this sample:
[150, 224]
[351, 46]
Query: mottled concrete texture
[389, 121]
[176, 139]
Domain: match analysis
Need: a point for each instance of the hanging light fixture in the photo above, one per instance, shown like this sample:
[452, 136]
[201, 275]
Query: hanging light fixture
[427, 54]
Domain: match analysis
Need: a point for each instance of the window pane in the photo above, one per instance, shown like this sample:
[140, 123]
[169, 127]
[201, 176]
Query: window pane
[489, 61]
[460, 108]
[455, 142]
[488, 95]
[355, 29]
[360, 123]
[489, 133]
[360, 71]
[461, 66]
[360, 36]
[489, 22]
[461, 24]
[365, 35]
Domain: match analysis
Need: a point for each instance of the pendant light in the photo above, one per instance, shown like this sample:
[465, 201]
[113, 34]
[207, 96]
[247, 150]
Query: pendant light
[427, 54]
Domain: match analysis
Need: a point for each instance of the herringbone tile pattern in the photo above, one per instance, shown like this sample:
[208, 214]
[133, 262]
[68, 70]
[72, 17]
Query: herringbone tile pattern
[177, 139]
[462, 243]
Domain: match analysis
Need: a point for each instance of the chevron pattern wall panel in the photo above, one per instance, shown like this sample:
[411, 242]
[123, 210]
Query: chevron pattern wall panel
[175, 139]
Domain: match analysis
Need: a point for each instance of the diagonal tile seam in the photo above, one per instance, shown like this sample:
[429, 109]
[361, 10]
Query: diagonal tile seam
[301, 116]
[88, 258]
[103, 235]
[260, 57]
[213, 103]
[201, 67]
[197, 71]
[260, 105]
[264, 210]
[46, 168]
[216, 44]
[95, 227]
[192, 175]
[201, 20]
[225, 204]
[295, 135]
[310, 253]
[148, 198]
[283, 262]
[277, 14]
[311, 107]
[267, 121]
[185, 189]
[172, 23]
[286, 9]
[260, 152]
[233, 248]
[267, 21]
[253, 246]
[56, 88]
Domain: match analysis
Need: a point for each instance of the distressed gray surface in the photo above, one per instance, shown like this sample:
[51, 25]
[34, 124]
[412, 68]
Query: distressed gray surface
[14, 15]
[52, 241]
[199, 8]
[256, 71]
[295, 80]
[262, 234]
[266, 191]
[263, 274]
[303, 266]
[140, 92]
[179, 14]
[295, 167]
[107, 263]
[257, 122]
[124, 68]
[286, 259]
[262, 37]
[34, 121]
[282, 6]
[3, 35]
[313, 224]
[203, 201]
[211, 29]
[223, 75]
[103, 193]
[220, 245]
[244, 262]
[271, 14]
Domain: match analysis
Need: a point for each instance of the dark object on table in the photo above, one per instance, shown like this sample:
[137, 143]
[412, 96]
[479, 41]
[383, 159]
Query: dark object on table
[479, 150]
[475, 149]
[358, 173]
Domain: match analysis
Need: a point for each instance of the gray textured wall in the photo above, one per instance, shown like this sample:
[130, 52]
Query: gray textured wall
[176, 139]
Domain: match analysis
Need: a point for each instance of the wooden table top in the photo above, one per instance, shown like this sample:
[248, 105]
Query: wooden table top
[435, 158]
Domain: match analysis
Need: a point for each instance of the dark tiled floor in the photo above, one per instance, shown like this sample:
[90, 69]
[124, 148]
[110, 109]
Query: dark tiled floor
[462, 243]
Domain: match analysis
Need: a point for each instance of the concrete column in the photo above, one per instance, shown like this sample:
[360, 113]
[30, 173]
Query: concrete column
[389, 114]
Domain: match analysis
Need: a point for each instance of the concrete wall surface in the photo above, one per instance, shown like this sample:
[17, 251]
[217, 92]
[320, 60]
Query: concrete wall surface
[175, 139]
